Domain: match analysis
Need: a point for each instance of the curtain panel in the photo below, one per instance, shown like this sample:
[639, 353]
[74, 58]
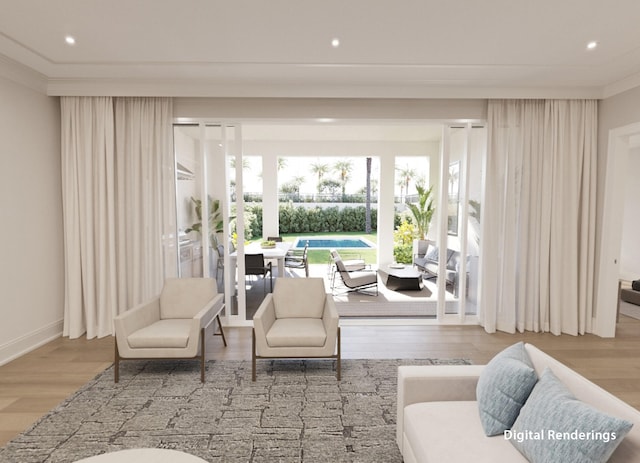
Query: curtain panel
[118, 201]
[538, 270]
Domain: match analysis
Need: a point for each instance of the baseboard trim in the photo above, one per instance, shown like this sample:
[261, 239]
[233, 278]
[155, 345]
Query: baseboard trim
[30, 341]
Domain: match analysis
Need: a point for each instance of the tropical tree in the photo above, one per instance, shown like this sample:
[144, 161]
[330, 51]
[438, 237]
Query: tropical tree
[343, 169]
[405, 174]
[320, 169]
[422, 211]
[245, 163]
[329, 186]
[216, 222]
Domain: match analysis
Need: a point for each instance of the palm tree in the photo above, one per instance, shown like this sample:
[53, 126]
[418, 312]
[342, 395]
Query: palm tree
[245, 163]
[406, 174]
[422, 212]
[320, 169]
[343, 168]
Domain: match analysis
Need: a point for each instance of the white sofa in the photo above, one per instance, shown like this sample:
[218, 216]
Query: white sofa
[438, 418]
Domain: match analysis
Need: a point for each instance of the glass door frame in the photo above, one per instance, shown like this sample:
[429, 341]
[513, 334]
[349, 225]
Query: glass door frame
[232, 147]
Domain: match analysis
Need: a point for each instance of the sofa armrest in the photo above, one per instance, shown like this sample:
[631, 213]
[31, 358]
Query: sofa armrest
[433, 383]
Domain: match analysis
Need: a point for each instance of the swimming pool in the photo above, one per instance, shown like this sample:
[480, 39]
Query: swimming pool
[333, 243]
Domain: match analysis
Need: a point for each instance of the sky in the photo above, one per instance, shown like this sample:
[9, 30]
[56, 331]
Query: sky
[301, 167]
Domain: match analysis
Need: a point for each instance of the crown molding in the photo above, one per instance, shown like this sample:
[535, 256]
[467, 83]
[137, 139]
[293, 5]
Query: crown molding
[205, 88]
[23, 75]
[620, 86]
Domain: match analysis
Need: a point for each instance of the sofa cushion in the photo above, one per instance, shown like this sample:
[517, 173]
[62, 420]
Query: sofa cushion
[570, 430]
[503, 388]
[172, 333]
[451, 431]
[297, 332]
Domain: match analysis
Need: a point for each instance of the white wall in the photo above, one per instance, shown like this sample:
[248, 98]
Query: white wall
[630, 246]
[31, 235]
[618, 111]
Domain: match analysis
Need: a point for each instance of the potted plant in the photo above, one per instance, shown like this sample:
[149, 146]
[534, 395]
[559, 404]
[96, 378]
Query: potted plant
[215, 220]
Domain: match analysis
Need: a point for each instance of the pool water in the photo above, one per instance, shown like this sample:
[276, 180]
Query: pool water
[330, 243]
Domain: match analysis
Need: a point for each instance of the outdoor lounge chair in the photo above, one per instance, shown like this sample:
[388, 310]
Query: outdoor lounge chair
[362, 281]
[298, 259]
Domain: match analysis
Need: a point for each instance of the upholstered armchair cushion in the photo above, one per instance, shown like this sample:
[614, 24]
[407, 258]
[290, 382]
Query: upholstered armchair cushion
[291, 299]
[171, 333]
[297, 332]
[184, 297]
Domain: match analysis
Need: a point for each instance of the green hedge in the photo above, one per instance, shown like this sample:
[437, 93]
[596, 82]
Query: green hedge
[298, 219]
[316, 220]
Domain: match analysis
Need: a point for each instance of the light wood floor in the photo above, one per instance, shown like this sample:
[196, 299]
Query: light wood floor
[33, 384]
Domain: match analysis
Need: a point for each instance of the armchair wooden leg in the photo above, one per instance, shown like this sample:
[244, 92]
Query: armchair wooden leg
[224, 339]
[253, 354]
[202, 354]
[338, 365]
[116, 364]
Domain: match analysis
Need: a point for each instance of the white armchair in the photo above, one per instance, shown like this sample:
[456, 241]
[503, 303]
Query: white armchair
[298, 320]
[171, 325]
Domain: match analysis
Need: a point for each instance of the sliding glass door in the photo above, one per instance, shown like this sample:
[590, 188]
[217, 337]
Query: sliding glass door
[221, 190]
[461, 187]
[206, 200]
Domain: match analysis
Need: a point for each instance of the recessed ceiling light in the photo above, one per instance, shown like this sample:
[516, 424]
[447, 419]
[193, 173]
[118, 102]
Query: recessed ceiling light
[325, 120]
[335, 43]
[591, 45]
[70, 40]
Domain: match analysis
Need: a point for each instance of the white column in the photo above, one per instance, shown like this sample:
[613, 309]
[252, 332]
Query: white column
[270, 226]
[386, 210]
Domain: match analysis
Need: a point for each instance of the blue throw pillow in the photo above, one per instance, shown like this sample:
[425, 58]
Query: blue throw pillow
[555, 427]
[503, 387]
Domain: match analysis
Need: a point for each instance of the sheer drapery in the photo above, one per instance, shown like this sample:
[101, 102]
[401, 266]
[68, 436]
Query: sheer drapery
[117, 197]
[539, 216]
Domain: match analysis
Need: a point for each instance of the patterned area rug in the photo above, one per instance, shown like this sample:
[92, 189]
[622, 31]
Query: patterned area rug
[295, 412]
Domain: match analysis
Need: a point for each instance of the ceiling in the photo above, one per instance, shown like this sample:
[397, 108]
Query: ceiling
[394, 49]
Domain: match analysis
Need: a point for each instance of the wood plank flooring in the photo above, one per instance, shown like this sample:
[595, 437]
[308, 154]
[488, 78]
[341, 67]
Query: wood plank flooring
[33, 384]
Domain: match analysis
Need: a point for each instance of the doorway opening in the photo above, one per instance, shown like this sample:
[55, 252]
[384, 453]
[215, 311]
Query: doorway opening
[269, 180]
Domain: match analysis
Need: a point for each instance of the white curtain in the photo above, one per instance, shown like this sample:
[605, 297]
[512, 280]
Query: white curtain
[117, 171]
[539, 216]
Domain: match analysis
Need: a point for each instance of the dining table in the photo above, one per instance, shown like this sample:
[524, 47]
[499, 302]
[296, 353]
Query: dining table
[277, 252]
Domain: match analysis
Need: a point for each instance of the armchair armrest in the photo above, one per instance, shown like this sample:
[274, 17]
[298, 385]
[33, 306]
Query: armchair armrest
[434, 383]
[263, 320]
[330, 320]
[209, 312]
[137, 317]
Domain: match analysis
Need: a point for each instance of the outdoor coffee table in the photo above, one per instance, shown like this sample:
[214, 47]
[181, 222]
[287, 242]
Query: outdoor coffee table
[143, 456]
[405, 278]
